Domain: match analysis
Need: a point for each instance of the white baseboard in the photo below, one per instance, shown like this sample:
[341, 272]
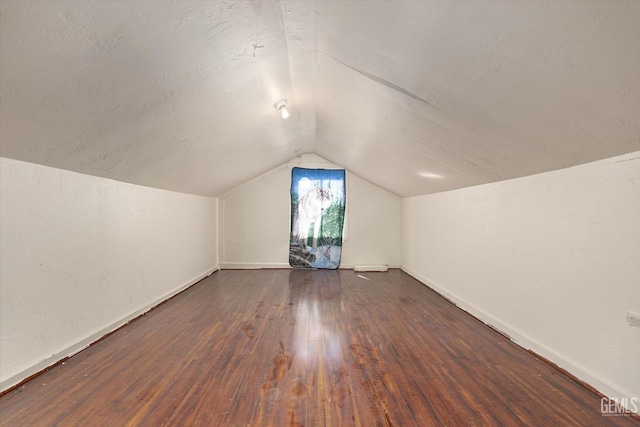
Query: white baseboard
[526, 342]
[370, 267]
[259, 265]
[252, 265]
[89, 339]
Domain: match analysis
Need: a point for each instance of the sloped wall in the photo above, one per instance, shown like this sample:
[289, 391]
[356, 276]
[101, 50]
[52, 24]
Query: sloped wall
[254, 221]
[82, 255]
[553, 260]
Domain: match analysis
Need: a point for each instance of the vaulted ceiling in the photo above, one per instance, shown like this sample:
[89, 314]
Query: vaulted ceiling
[415, 96]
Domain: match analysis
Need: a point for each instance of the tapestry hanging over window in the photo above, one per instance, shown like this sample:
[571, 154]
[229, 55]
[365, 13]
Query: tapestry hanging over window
[317, 217]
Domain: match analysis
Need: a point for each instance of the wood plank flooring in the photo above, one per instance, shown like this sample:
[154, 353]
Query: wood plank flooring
[305, 348]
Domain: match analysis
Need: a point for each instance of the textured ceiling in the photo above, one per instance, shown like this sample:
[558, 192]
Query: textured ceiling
[415, 96]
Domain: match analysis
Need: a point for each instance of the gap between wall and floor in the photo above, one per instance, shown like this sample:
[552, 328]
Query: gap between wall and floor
[564, 365]
[54, 359]
[558, 362]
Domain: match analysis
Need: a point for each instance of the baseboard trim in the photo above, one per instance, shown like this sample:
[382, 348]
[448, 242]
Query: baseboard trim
[252, 265]
[54, 359]
[275, 265]
[531, 345]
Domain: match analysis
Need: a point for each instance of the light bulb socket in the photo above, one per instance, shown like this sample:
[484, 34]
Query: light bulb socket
[281, 106]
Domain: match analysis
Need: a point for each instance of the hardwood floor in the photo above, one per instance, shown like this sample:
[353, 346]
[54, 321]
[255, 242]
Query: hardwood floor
[305, 348]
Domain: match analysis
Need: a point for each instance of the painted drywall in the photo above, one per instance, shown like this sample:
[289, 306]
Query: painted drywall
[82, 255]
[255, 221]
[553, 260]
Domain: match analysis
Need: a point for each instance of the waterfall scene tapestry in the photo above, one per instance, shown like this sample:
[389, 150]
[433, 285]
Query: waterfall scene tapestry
[317, 217]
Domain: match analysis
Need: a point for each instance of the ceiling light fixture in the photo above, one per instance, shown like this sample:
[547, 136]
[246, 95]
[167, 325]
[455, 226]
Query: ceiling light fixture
[281, 106]
[430, 175]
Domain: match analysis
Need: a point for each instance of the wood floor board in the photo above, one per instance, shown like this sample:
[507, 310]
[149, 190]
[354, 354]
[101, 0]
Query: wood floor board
[301, 348]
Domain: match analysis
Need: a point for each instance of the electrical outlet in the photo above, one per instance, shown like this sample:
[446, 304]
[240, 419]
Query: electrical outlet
[633, 318]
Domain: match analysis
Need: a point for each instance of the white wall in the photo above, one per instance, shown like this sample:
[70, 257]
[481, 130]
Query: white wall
[82, 255]
[553, 260]
[255, 221]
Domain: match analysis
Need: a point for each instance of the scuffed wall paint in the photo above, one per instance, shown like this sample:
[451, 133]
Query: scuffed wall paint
[81, 255]
[553, 260]
[255, 221]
